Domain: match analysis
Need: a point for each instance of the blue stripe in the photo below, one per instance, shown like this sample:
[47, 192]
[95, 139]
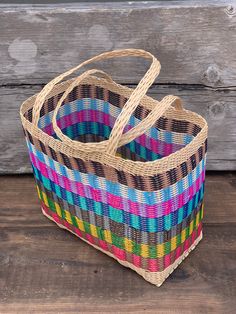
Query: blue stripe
[106, 107]
[150, 198]
[141, 223]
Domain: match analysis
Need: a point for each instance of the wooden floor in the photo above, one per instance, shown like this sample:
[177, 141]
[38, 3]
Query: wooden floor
[44, 269]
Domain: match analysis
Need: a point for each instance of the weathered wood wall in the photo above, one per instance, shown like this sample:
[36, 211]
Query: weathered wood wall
[194, 40]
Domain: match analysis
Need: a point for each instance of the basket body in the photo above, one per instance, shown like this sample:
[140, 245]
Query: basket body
[143, 206]
[148, 223]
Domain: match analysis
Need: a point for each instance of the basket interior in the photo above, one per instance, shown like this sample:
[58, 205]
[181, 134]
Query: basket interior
[89, 113]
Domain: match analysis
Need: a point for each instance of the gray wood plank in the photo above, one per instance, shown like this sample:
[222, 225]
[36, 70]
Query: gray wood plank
[194, 40]
[45, 269]
[217, 106]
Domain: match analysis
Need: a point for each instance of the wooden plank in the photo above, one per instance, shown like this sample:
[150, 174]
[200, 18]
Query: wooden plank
[194, 40]
[220, 198]
[15, 157]
[216, 105]
[45, 269]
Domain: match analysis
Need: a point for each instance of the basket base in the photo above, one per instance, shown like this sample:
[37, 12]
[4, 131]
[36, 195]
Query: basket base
[155, 278]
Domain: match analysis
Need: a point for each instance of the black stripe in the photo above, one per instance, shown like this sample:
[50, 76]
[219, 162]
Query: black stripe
[156, 181]
[121, 229]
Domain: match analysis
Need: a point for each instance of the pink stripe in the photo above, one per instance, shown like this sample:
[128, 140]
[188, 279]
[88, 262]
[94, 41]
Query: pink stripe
[90, 238]
[142, 140]
[78, 232]
[103, 245]
[167, 260]
[153, 263]
[156, 146]
[119, 253]
[107, 119]
[178, 252]
[139, 209]
[136, 260]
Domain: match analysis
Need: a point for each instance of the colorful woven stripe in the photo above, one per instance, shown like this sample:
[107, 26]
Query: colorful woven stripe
[147, 221]
[148, 263]
[137, 232]
[76, 120]
[147, 183]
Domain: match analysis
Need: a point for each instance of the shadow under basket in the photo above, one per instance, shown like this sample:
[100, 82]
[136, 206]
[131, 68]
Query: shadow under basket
[125, 177]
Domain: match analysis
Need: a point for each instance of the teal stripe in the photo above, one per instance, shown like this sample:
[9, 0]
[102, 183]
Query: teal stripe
[108, 108]
[135, 221]
[149, 198]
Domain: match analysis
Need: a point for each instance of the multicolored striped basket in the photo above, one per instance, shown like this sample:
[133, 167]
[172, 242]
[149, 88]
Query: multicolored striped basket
[120, 170]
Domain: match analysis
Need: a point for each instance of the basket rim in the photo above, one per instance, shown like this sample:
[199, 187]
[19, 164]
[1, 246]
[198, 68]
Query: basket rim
[144, 168]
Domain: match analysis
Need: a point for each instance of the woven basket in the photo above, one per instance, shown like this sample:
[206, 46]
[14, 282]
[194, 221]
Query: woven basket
[120, 170]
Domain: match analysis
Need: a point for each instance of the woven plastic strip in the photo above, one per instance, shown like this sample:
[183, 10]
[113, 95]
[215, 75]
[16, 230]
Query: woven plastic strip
[120, 170]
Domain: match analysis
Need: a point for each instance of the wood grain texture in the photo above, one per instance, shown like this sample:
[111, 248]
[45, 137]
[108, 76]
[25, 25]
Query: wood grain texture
[194, 40]
[217, 106]
[45, 269]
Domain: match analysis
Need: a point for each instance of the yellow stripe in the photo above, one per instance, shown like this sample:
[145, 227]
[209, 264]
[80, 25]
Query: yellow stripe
[127, 242]
[183, 235]
[160, 250]
[93, 230]
[191, 227]
[80, 224]
[128, 245]
[173, 243]
[68, 216]
[45, 200]
[144, 250]
[58, 209]
[197, 218]
[107, 236]
[38, 191]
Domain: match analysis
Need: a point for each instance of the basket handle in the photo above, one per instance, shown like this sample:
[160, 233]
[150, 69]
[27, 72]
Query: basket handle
[103, 75]
[150, 119]
[134, 99]
[88, 147]
[136, 131]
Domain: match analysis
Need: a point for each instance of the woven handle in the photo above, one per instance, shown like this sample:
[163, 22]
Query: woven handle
[151, 118]
[103, 75]
[135, 97]
[76, 144]
[117, 138]
[136, 131]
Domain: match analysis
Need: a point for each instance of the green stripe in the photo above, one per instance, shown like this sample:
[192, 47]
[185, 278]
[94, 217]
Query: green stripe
[119, 241]
[114, 213]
